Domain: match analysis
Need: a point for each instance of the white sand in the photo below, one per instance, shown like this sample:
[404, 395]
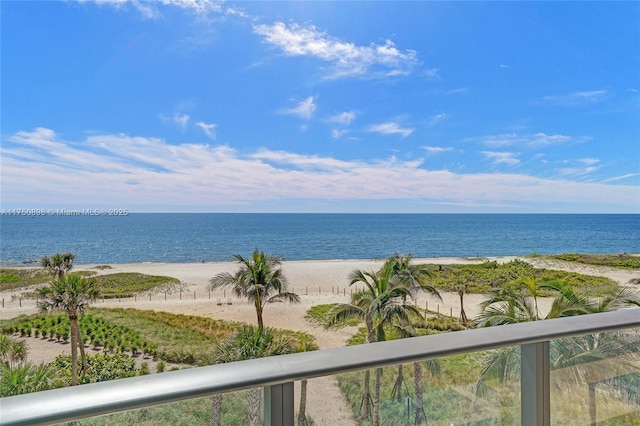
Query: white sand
[317, 282]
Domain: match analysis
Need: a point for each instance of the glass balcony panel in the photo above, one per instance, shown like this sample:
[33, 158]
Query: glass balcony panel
[446, 394]
[190, 412]
[595, 379]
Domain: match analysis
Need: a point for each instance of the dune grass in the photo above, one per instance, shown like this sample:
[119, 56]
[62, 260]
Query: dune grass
[480, 278]
[621, 260]
[126, 284]
[15, 278]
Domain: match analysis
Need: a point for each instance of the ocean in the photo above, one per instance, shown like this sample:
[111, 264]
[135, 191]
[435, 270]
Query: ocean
[196, 237]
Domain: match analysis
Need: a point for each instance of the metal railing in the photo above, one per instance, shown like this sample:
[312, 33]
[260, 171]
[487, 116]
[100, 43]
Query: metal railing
[277, 374]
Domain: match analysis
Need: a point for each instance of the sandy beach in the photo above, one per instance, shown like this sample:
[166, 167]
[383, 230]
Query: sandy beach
[317, 282]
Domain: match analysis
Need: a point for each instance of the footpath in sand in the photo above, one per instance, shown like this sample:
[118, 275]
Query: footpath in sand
[317, 282]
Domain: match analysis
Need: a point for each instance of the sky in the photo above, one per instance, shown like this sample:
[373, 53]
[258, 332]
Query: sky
[386, 107]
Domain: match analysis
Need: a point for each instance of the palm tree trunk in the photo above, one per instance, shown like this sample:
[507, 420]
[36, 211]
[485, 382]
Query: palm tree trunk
[420, 417]
[397, 387]
[73, 324]
[302, 413]
[83, 356]
[253, 406]
[592, 404]
[463, 314]
[216, 410]
[376, 397]
[365, 405]
[259, 315]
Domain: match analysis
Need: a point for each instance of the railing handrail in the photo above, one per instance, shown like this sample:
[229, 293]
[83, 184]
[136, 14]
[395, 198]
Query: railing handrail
[94, 399]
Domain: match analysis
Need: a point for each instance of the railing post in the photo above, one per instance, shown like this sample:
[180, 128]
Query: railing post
[535, 399]
[278, 405]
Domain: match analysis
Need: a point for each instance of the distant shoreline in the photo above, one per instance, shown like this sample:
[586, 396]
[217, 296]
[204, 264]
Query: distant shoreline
[437, 260]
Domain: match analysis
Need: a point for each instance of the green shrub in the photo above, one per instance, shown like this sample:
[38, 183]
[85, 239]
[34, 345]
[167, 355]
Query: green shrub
[126, 284]
[144, 369]
[13, 278]
[621, 260]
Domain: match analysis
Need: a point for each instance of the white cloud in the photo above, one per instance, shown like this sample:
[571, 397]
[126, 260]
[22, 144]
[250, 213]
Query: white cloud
[577, 98]
[209, 129]
[344, 118]
[390, 128]
[347, 59]
[150, 10]
[435, 119]
[338, 133]
[528, 140]
[131, 171]
[588, 161]
[622, 177]
[436, 149]
[459, 91]
[179, 120]
[304, 109]
[431, 74]
[508, 158]
[580, 167]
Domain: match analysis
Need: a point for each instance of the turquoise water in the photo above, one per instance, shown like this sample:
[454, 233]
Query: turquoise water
[185, 237]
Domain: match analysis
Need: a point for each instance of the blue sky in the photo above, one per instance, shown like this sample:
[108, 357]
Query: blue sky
[203, 106]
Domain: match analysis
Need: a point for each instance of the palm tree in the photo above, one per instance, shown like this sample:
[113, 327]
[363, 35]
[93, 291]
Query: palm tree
[17, 376]
[416, 277]
[462, 288]
[58, 264]
[380, 304]
[434, 368]
[12, 351]
[25, 377]
[593, 359]
[248, 343]
[259, 280]
[509, 307]
[70, 294]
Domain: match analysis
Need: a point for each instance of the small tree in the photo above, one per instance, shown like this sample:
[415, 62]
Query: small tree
[260, 280]
[382, 303]
[17, 376]
[70, 294]
[248, 343]
[58, 264]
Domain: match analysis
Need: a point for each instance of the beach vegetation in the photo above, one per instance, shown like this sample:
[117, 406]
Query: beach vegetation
[17, 375]
[249, 342]
[509, 306]
[620, 260]
[127, 284]
[58, 264]
[579, 354]
[26, 377]
[319, 314]
[70, 294]
[259, 279]
[179, 339]
[101, 367]
[382, 304]
[489, 275]
[414, 276]
[14, 278]
[446, 395]
[102, 267]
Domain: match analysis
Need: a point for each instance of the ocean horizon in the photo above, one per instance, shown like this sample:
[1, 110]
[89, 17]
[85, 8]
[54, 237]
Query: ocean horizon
[197, 237]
